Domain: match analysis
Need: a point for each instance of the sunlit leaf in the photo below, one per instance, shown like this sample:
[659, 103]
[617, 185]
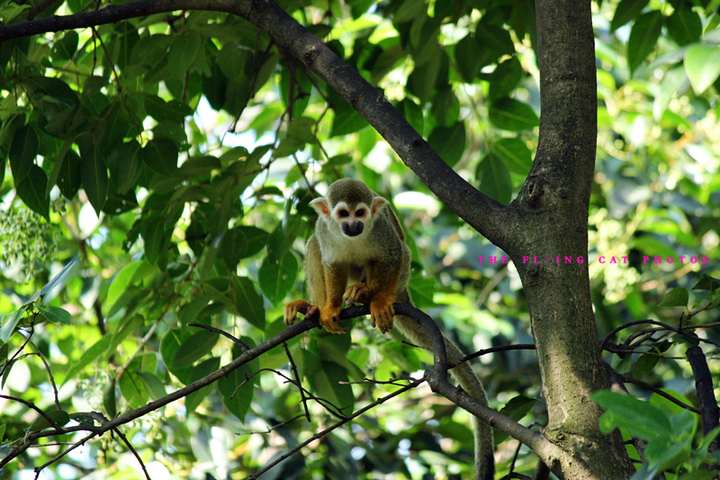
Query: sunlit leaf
[702, 65]
[643, 37]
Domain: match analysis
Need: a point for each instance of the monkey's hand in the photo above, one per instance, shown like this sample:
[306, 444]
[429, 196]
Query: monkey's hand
[382, 311]
[299, 306]
[330, 318]
[358, 293]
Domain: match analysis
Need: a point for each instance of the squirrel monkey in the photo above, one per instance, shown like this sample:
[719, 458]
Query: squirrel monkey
[358, 254]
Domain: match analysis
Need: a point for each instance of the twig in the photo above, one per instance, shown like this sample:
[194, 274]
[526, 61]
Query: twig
[294, 370]
[334, 426]
[236, 340]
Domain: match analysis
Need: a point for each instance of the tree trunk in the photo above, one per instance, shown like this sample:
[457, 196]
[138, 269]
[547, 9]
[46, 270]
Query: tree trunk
[552, 254]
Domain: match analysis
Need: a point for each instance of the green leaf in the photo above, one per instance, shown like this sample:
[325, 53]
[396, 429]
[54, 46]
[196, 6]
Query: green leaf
[408, 10]
[302, 129]
[276, 279]
[60, 417]
[9, 322]
[346, 120]
[109, 400]
[702, 65]
[423, 80]
[169, 345]
[516, 408]
[684, 26]
[55, 314]
[231, 60]
[248, 302]
[193, 348]
[515, 154]
[413, 114]
[23, 150]
[237, 389]
[677, 297]
[68, 174]
[161, 110]
[127, 325]
[468, 55]
[289, 146]
[202, 369]
[89, 355]
[121, 282]
[153, 385]
[94, 178]
[505, 78]
[161, 156]
[626, 11]
[242, 242]
[182, 53]
[32, 189]
[133, 389]
[643, 37]
[513, 115]
[638, 418]
[494, 177]
[330, 382]
[449, 142]
[58, 279]
[708, 283]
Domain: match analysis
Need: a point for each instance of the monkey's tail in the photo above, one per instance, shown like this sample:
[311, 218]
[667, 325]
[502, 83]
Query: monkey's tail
[484, 459]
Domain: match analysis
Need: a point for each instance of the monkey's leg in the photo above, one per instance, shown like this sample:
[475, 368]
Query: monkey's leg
[336, 276]
[382, 281]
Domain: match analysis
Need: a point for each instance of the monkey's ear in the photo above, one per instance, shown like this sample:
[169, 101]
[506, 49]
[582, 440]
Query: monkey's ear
[376, 204]
[321, 206]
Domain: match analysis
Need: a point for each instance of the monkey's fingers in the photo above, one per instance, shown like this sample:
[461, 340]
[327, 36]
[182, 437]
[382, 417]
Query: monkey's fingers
[382, 316]
[358, 293]
[330, 319]
[298, 306]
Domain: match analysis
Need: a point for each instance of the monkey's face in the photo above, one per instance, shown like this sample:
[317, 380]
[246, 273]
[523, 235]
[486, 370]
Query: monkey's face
[348, 219]
[353, 220]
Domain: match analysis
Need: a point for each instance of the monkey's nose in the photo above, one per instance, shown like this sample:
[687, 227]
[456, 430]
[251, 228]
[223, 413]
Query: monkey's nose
[352, 229]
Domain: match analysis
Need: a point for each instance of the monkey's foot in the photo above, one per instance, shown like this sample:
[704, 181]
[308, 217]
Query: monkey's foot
[382, 312]
[330, 319]
[358, 293]
[298, 306]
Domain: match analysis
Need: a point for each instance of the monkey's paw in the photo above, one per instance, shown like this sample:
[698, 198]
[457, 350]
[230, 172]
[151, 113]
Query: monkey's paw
[358, 293]
[382, 313]
[298, 306]
[330, 319]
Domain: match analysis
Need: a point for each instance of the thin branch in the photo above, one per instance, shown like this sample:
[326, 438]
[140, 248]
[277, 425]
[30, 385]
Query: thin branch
[335, 426]
[50, 375]
[660, 392]
[134, 452]
[294, 370]
[209, 328]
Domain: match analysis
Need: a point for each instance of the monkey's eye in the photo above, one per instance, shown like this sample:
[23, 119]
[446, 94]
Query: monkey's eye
[343, 213]
[360, 212]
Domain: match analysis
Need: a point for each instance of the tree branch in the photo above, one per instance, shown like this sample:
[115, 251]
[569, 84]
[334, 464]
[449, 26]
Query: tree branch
[438, 381]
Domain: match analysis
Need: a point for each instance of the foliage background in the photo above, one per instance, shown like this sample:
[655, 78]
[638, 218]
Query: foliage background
[174, 156]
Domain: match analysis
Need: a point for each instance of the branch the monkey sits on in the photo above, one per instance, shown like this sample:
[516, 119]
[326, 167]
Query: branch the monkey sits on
[358, 254]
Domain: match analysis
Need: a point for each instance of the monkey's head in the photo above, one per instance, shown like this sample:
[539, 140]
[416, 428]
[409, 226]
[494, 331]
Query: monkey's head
[349, 207]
